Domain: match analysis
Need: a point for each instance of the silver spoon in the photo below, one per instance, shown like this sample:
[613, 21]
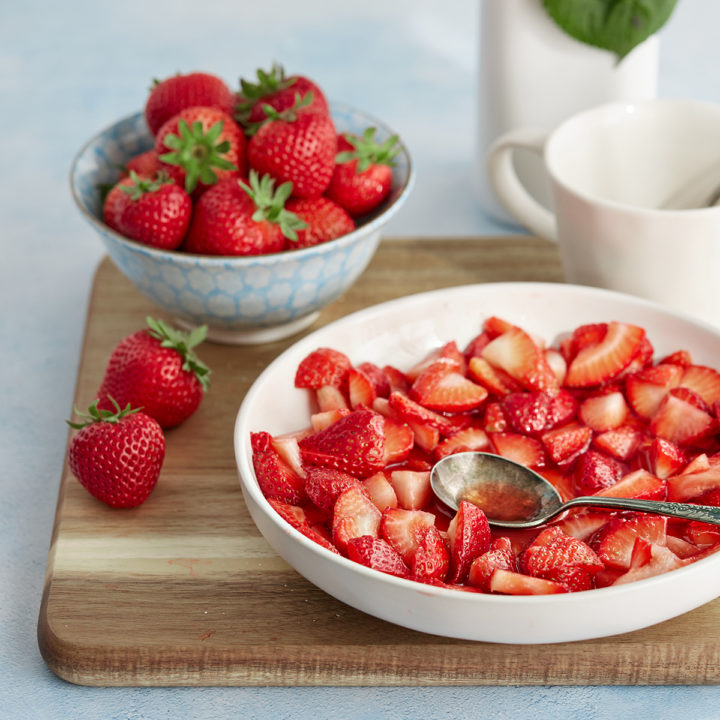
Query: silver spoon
[513, 496]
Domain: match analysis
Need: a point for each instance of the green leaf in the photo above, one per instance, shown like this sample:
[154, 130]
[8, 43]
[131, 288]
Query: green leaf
[614, 25]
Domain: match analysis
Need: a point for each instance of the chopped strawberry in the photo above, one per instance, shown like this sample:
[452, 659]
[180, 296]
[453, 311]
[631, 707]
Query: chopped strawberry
[565, 444]
[535, 413]
[642, 359]
[376, 553]
[493, 379]
[595, 471]
[573, 579]
[704, 381]
[513, 583]
[361, 390]
[399, 439]
[639, 484]
[397, 379]
[448, 354]
[614, 542]
[380, 491]
[296, 517]
[476, 345]
[323, 366]
[354, 444]
[378, 377]
[647, 389]
[405, 529]
[681, 422]
[681, 547]
[410, 410]
[585, 336]
[641, 553]
[471, 438]
[432, 557]
[324, 418]
[324, 485]
[691, 397]
[412, 488]
[276, 478]
[515, 352]
[690, 485]
[679, 357]
[661, 560]
[598, 363]
[354, 515]
[702, 535]
[499, 556]
[330, 397]
[495, 326]
[604, 412]
[665, 458]
[557, 364]
[583, 524]
[621, 443]
[426, 437]
[469, 535]
[519, 448]
[288, 449]
[441, 387]
[495, 420]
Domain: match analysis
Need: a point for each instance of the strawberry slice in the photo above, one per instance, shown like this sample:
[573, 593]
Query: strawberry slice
[702, 535]
[329, 398]
[411, 411]
[378, 378]
[681, 422]
[584, 336]
[495, 326]
[704, 381]
[493, 379]
[595, 471]
[690, 485]
[614, 542]
[412, 488]
[354, 515]
[380, 491]
[494, 419]
[287, 447]
[354, 444]
[325, 418]
[500, 556]
[583, 524]
[361, 389]
[469, 535]
[441, 387]
[639, 484]
[399, 439]
[471, 438]
[397, 379]
[448, 354]
[376, 553]
[598, 363]
[296, 516]
[476, 345]
[565, 444]
[519, 448]
[662, 560]
[431, 560]
[647, 389]
[621, 443]
[513, 583]
[552, 551]
[324, 485]
[515, 352]
[679, 357]
[604, 412]
[405, 529]
[277, 480]
[535, 413]
[557, 364]
[323, 366]
[665, 458]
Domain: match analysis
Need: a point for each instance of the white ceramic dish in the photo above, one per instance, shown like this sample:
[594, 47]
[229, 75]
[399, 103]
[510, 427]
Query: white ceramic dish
[399, 333]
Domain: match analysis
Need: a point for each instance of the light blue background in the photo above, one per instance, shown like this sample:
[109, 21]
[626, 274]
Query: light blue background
[70, 68]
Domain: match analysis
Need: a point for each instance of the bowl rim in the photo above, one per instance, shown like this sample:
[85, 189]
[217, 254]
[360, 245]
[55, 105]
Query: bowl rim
[270, 258]
[244, 465]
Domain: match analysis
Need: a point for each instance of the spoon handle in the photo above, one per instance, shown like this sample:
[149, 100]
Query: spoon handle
[686, 511]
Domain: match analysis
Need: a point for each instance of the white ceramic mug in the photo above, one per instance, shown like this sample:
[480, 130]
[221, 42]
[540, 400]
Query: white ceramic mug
[613, 170]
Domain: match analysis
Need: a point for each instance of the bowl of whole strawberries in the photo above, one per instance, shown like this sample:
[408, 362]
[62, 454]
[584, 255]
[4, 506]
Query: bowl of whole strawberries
[244, 211]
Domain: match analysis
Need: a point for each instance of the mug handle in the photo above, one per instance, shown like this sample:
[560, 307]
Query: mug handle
[512, 193]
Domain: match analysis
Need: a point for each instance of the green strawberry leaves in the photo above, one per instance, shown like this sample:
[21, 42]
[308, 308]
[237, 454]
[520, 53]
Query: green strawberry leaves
[94, 415]
[288, 115]
[268, 83]
[614, 25]
[270, 204]
[141, 186]
[367, 151]
[183, 343]
[198, 152]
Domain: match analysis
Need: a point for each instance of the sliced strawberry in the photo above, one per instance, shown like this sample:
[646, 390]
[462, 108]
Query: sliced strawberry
[426, 437]
[604, 412]
[535, 413]
[471, 438]
[361, 390]
[449, 354]
[494, 380]
[495, 326]
[681, 422]
[288, 449]
[647, 389]
[642, 358]
[499, 556]
[380, 491]
[691, 397]
[432, 557]
[582, 525]
[324, 485]
[621, 443]
[377, 377]
[641, 553]
[690, 485]
[585, 336]
[397, 379]
[665, 458]
[276, 478]
[376, 553]
[354, 515]
[399, 439]
[557, 364]
[595, 471]
[411, 411]
[573, 579]
[441, 387]
[321, 420]
[405, 529]
[682, 548]
[679, 357]
[476, 345]
[513, 583]
[296, 517]
[469, 535]
[519, 448]
[412, 488]
[323, 366]
[565, 444]
[614, 542]
[515, 352]
[553, 551]
[702, 535]
[704, 381]
[354, 444]
[329, 398]
[639, 484]
[661, 561]
[494, 419]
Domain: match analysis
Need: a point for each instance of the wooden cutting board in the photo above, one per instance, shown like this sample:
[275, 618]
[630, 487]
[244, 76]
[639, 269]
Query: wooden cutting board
[185, 591]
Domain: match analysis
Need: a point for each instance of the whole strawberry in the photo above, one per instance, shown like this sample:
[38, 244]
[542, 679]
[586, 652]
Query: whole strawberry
[363, 174]
[277, 91]
[145, 164]
[201, 145]
[117, 455]
[168, 97]
[235, 218]
[157, 212]
[325, 220]
[156, 369]
[115, 203]
[297, 147]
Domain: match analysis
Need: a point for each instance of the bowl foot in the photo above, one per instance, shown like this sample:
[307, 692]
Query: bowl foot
[254, 336]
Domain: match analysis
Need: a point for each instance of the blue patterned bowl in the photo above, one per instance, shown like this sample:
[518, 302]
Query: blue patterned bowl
[242, 300]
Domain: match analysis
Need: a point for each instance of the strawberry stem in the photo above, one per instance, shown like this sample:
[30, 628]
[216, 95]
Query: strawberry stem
[288, 115]
[140, 186]
[94, 414]
[267, 84]
[367, 151]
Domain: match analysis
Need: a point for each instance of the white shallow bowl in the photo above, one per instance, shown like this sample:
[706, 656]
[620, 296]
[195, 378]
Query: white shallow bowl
[400, 332]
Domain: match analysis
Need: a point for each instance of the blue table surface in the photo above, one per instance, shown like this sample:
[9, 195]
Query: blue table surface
[69, 69]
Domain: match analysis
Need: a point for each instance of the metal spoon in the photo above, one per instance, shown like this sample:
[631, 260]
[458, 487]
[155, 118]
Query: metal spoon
[513, 496]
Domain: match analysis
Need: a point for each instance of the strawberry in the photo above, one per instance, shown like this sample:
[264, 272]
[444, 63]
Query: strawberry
[412, 411]
[621, 443]
[441, 387]
[145, 164]
[405, 529]
[354, 444]
[297, 147]
[661, 560]
[638, 484]
[567, 443]
[277, 480]
[614, 542]
[200, 146]
[157, 214]
[361, 390]
[704, 381]
[584, 336]
[117, 455]
[378, 554]
[380, 491]
[362, 178]
[679, 357]
[168, 97]
[449, 354]
[354, 515]
[604, 412]
[399, 439]
[432, 558]
[595, 471]
[278, 92]
[535, 413]
[494, 380]
[494, 419]
[117, 199]
[324, 485]
[156, 369]
[331, 399]
[690, 485]
[323, 366]
[519, 448]
[234, 218]
[665, 458]
[470, 438]
[582, 525]
[557, 364]
[469, 535]
[508, 582]
[297, 518]
[475, 347]
[378, 378]
[412, 488]
[499, 556]
[681, 422]
[647, 389]
[597, 363]
[325, 220]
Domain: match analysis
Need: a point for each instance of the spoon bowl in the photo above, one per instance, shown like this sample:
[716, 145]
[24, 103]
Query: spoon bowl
[514, 496]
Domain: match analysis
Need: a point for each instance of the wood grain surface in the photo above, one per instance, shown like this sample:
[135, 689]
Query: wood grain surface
[185, 591]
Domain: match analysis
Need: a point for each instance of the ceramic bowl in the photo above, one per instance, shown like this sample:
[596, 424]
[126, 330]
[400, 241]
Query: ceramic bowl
[399, 333]
[241, 299]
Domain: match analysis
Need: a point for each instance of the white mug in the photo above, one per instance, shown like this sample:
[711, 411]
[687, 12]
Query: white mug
[616, 174]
